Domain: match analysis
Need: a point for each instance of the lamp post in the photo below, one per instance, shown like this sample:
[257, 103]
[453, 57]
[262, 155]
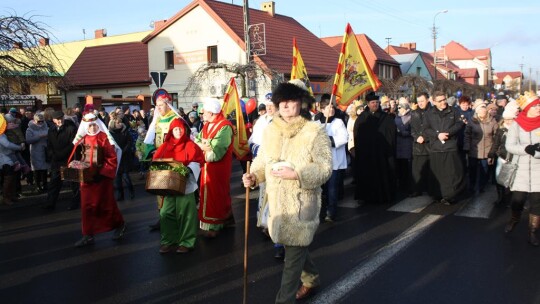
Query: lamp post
[434, 32]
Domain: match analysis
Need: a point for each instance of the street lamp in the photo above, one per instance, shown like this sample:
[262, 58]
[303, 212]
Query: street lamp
[435, 44]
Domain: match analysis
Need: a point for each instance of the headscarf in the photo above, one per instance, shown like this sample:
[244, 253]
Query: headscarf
[91, 118]
[190, 151]
[151, 133]
[526, 102]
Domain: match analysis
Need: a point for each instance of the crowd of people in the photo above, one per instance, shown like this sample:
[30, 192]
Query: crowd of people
[301, 149]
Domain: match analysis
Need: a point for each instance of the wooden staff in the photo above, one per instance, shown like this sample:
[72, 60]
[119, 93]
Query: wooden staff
[246, 233]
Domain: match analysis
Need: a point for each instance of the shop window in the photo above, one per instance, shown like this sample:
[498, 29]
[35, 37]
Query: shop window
[116, 96]
[169, 60]
[212, 54]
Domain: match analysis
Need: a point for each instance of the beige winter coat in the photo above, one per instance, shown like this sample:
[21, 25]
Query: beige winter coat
[294, 205]
[528, 172]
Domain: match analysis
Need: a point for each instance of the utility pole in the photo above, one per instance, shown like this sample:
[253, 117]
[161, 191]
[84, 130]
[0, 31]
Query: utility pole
[246, 31]
[530, 79]
[434, 33]
[388, 44]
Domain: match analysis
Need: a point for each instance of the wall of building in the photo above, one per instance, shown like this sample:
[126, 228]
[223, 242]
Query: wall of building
[76, 96]
[482, 69]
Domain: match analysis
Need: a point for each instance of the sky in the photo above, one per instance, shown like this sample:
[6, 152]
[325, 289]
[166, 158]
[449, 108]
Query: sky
[507, 27]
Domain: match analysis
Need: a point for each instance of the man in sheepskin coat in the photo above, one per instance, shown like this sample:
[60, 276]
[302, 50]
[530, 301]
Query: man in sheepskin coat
[294, 160]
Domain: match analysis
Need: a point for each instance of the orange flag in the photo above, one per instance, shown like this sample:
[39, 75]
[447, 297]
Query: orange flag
[298, 70]
[231, 102]
[353, 74]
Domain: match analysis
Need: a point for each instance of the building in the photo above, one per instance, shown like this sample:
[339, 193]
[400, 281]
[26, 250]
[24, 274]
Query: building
[465, 58]
[46, 92]
[511, 81]
[206, 39]
[117, 73]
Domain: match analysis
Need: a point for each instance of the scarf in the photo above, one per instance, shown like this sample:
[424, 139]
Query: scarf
[190, 152]
[528, 123]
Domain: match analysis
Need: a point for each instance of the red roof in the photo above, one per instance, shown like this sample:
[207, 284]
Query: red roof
[122, 64]
[513, 75]
[456, 51]
[468, 73]
[373, 52]
[398, 50]
[319, 58]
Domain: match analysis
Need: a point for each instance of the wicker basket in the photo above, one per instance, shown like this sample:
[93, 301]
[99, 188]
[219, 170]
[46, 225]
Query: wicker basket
[78, 175]
[165, 182]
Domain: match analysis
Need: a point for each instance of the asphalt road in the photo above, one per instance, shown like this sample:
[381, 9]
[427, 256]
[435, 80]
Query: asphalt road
[407, 252]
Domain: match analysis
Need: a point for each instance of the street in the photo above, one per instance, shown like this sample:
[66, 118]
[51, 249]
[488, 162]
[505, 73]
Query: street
[407, 252]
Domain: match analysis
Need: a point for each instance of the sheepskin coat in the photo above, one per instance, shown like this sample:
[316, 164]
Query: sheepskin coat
[294, 205]
[528, 172]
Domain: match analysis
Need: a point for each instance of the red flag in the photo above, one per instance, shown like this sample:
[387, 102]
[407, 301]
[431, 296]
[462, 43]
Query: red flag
[353, 74]
[231, 102]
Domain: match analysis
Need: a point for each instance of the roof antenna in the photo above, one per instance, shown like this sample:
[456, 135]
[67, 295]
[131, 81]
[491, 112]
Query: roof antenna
[84, 34]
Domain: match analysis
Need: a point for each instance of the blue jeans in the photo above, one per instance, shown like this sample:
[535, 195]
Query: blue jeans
[331, 189]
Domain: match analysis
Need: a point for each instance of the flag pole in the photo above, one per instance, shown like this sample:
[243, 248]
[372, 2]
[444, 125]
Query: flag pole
[246, 234]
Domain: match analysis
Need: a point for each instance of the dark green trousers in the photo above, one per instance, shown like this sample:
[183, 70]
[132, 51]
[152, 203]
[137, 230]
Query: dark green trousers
[298, 266]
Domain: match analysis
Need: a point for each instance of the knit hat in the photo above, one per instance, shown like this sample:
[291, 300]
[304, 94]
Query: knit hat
[194, 104]
[511, 110]
[492, 106]
[479, 102]
[57, 114]
[12, 110]
[192, 114]
[212, 106]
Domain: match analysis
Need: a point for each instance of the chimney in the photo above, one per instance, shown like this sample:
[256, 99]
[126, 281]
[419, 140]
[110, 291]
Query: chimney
[43, 41]
[100, 33]
[409, 45]
[269, 7]
[159, 23]
[17, 45]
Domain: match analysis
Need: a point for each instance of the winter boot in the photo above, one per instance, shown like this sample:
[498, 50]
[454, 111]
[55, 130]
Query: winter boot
[500, 195]
[516, 215]
[9, 190]
[534, 223]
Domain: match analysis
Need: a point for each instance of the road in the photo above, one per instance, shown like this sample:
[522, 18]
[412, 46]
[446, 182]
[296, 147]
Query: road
[407, 252]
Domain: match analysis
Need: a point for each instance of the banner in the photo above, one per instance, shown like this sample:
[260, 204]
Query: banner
[353, 74]
[231, 102]
[298, 70]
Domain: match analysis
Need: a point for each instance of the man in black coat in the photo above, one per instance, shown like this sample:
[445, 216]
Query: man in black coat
[442, 127]
[375, 146]
[59, 147]
[421, 173]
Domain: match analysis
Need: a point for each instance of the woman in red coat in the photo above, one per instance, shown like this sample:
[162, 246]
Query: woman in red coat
[99, 212]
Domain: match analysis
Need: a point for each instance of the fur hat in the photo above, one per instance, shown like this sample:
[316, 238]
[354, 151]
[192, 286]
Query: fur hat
[212, 106]
[371, 96]
[292, 90]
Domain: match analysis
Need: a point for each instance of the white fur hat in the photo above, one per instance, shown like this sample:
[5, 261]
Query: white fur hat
[212, 106]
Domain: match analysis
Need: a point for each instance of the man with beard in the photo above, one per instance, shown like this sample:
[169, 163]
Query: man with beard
[442, 127]
[375, 146]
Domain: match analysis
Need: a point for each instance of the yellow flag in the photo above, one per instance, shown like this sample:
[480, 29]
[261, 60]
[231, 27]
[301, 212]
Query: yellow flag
[231, 102]
[353, 74]
[298, 70]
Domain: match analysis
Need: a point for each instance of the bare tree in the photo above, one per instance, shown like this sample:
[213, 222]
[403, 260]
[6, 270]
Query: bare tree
[211, 73]
[25, 54]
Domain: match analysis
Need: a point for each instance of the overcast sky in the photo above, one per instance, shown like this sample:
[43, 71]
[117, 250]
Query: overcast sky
[509, 28]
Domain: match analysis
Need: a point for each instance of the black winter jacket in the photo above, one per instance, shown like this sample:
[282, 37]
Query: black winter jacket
[445, 121]
[418, 121]
[60, 143]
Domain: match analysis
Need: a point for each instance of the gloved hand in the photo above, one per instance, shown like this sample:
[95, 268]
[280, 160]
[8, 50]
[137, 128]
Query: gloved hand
[531, 149]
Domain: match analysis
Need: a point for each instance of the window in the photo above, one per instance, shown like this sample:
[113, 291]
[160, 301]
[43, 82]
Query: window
[81, 100]
[174, 97]
[212, 54]
[116, 96]
[169, 60]
[418, 69]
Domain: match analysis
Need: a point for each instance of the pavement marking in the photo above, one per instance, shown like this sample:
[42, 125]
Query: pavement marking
[480, 206]
[361, 273]
[412, 204]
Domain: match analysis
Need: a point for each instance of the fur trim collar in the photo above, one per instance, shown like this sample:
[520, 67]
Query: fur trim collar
[289, 129]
